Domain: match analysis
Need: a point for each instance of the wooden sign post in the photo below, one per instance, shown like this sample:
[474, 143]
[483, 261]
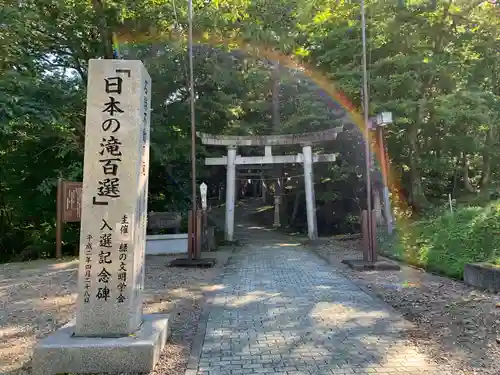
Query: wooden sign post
[59, 223]
[69, 209]
[197, 234]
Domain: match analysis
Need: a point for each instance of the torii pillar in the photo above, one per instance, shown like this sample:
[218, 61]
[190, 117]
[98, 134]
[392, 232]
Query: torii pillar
[230, 192]
[307, 158]
[312, 228]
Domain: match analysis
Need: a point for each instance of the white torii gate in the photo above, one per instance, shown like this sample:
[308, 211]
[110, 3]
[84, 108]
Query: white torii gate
[307, 158]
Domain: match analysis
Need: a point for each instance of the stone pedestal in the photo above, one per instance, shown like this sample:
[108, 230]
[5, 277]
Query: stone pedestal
[211, 243]
[63, 353]
[483, 275]
[113, 232]
[276, 222]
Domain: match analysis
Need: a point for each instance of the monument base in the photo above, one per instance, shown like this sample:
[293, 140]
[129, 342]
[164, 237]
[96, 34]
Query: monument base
[193, 263]
[61, 352]
[362, 265]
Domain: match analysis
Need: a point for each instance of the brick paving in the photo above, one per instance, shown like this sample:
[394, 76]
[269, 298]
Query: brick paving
[283, 310]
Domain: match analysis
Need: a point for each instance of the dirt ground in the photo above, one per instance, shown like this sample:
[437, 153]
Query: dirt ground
[38, 297]
[456, 324]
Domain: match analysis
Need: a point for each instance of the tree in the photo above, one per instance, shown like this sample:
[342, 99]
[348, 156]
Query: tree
[434, 65]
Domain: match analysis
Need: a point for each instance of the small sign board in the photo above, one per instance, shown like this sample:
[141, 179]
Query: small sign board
[68, 208]
[71, 201]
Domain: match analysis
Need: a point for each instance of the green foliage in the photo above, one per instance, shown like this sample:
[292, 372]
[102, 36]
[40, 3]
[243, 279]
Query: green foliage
[445, 242]
[435, 68]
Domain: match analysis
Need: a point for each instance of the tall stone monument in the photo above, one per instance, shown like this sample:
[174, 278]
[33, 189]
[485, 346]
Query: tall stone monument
[110, 334]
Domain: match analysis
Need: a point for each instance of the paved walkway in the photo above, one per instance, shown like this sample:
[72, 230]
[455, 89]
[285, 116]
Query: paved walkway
[283, 310]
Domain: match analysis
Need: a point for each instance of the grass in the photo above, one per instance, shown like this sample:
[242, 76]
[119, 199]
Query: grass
[444, 243]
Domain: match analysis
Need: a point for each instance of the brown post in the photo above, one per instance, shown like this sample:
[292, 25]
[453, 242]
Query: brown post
[190, 235]
[365, 236]
[197, 252]
[59, 222]
[374, 237]
[204, 231]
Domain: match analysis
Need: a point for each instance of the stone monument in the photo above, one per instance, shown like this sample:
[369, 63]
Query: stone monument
[110, 334]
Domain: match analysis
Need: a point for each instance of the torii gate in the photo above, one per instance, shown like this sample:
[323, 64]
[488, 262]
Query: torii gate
[306, 157]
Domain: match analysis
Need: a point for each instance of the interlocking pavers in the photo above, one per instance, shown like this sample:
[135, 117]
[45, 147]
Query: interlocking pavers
[283, 310]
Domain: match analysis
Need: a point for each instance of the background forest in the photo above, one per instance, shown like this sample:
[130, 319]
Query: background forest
[435, 64]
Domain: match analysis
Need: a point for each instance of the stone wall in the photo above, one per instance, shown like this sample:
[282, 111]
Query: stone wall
[483, 275]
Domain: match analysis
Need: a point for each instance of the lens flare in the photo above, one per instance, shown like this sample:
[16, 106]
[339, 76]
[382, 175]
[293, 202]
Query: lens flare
[339, 101]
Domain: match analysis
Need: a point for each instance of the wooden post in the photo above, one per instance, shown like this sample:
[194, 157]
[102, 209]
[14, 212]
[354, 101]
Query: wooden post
[374, 236]
[191, 235]
[383, 163]
[204, 232]
[59, 221]
[197, 252]
[365, 236]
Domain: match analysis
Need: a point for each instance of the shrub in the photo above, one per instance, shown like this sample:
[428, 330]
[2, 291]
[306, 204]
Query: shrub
[444, 243]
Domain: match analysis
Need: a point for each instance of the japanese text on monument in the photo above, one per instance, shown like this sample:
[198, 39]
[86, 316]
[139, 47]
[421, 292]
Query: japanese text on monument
[110, 157]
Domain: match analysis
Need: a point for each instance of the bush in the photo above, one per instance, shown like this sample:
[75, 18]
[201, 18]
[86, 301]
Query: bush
[444, 243]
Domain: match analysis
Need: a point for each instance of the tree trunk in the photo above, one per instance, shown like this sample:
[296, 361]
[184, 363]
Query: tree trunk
[491, 135]
[417, 194]
[486, 170]
[104, 31]
[455, 175]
